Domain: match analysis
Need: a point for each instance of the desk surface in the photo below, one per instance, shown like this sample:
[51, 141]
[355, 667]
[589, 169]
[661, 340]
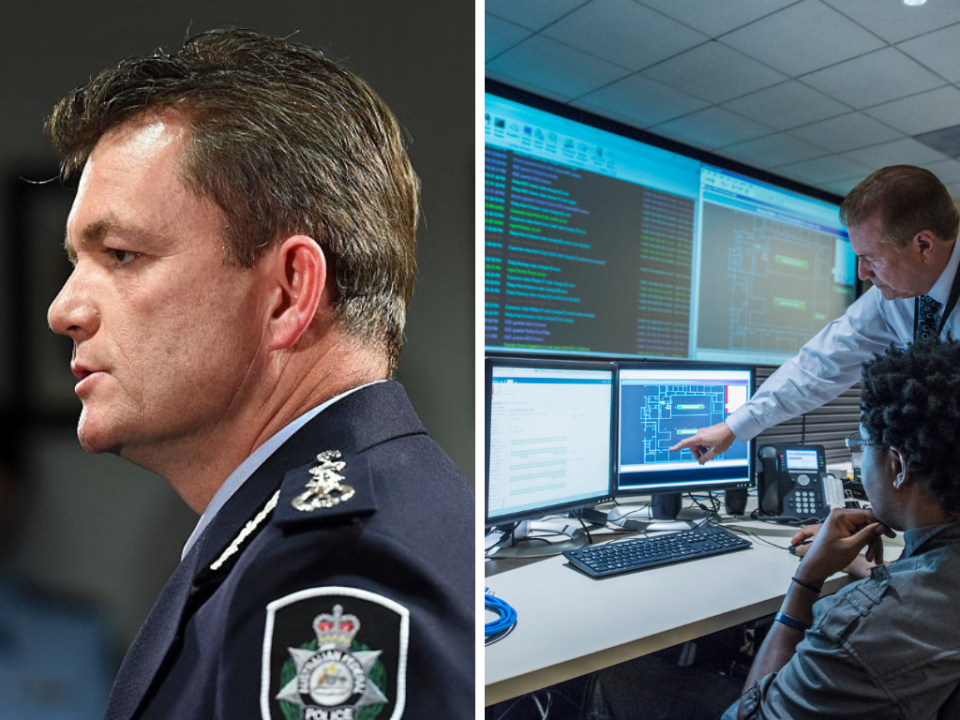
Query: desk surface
[570, 624]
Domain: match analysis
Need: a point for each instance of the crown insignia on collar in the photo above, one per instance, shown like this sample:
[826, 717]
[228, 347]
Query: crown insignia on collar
[326, 488]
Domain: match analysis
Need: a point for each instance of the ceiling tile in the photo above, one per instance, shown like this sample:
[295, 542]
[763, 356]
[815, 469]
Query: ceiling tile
[948, 171]
[624, 33]
[555, 67]
[929, 49]
[954, 190]
[894, 21]
[802, 38]
[529, 87]
[500, 35]
[825, 169]
[715, 18]
[874, 78]
[846, 132]
[714, 72]
[905, 151]
[680, 138]
[712, 128]
[921, 113]
[840, 187]
[532, 14]
[946, 140]
[646, 102]
[773, 150]
[607, 113]
[787, 105]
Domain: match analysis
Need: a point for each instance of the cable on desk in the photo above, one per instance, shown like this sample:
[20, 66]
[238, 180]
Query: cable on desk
[579, 517]
[755, 536]
[498, 629]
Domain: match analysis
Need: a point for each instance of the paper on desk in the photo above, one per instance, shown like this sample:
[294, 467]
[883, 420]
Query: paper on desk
[833, 489]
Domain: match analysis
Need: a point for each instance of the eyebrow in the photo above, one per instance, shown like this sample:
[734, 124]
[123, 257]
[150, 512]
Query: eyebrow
[96, 231]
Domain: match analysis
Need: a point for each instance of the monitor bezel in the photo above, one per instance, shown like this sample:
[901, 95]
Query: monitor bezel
[621, 493]
[505, 360]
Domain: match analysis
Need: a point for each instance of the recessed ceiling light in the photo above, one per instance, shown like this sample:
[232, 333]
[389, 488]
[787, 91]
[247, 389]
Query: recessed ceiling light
[914, 2]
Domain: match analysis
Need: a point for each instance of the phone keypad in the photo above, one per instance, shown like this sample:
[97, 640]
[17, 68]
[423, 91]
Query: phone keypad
[805, 504]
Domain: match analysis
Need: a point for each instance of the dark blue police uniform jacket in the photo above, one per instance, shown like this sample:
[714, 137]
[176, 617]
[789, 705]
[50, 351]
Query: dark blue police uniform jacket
[359, 606]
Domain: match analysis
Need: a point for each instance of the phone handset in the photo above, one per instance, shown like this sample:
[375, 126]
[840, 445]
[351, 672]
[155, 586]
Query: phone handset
[769, 486]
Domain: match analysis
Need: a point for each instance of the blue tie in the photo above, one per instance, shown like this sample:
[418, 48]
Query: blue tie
[928, 318]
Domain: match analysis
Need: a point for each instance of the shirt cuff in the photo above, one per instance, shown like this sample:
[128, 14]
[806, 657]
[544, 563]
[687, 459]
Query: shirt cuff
[743, 424]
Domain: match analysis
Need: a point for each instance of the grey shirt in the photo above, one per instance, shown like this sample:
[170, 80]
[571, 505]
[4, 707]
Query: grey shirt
[884, 647]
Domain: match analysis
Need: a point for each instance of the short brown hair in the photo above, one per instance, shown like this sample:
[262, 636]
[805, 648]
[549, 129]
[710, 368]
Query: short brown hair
[909, 199]
[285, 141]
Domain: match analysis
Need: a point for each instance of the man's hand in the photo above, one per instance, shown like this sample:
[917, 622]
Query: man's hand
[838, 542]
[708, 442]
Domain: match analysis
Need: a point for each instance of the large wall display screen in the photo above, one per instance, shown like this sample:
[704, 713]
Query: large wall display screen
[598, 244]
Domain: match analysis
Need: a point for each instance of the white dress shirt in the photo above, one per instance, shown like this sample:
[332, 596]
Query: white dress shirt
[833, 360]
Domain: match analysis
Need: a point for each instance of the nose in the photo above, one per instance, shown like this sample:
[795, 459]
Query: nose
[73, 311]
[863, 271]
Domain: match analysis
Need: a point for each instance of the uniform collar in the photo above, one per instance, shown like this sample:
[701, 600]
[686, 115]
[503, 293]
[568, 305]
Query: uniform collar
[367, 417]
[249, 466]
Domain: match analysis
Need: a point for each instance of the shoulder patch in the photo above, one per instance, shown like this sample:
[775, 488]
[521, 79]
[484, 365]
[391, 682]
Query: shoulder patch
[334, 653]
[333, 486]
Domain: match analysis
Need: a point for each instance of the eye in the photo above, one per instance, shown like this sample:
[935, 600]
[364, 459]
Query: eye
[122, 257]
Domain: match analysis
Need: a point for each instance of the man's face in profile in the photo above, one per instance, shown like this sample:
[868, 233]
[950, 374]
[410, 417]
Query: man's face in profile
[166, 334]
[896, 273]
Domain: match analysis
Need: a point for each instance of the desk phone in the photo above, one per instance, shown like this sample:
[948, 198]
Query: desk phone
[793, 481]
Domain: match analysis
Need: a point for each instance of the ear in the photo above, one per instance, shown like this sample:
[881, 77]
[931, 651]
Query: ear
[298, 273]
[898, 466]
[926, 242]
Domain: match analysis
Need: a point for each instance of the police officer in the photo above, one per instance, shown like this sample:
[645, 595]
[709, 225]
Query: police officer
[243, 247]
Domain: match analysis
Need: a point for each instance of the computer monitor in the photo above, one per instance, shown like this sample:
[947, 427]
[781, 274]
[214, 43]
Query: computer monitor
[603, 244]
[661, 403]
[549, 437]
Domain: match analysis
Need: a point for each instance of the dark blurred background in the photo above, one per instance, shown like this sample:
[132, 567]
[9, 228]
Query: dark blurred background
[96, 528]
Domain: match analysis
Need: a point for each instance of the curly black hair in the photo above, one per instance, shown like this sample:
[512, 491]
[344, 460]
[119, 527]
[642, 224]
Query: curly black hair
[911, 401]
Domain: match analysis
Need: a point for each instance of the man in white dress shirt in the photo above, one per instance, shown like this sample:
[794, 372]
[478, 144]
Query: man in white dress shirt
[903, 227]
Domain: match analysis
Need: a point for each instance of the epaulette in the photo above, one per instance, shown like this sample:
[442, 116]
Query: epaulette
[332, 488]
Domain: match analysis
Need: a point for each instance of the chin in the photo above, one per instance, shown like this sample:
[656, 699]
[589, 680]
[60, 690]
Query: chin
[92, 438]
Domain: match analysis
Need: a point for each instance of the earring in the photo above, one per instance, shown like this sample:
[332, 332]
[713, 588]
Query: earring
[899, 481]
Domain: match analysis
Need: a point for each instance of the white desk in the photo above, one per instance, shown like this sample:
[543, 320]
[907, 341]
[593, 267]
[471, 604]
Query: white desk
[570, 625]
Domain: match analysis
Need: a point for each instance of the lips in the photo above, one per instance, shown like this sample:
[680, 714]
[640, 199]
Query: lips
[86, 376]
[81, 371]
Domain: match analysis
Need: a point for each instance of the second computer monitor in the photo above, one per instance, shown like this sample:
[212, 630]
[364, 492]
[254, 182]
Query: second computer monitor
[660, 404]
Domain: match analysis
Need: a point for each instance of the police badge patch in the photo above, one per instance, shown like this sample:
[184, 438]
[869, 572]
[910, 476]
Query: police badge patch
[334, 653]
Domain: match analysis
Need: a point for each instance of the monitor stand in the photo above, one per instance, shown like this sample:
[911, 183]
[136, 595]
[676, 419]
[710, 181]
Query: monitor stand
[525, 545]
[663, 515]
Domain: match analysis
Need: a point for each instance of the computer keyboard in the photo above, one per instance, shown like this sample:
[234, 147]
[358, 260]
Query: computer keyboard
[648, 552]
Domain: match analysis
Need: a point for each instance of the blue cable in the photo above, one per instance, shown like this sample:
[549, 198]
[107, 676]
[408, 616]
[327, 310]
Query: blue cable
[508, 616]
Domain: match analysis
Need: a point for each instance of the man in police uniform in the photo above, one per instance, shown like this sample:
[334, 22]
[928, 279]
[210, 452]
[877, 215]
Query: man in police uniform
[243, 248]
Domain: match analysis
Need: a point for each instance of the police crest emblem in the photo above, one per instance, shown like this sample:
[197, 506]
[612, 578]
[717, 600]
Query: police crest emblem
[334, 654]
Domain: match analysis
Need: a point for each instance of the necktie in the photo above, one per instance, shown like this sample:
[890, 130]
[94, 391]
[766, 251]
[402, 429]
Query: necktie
[928, 318]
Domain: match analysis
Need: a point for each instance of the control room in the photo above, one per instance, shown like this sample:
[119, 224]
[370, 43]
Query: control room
[719, 377]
